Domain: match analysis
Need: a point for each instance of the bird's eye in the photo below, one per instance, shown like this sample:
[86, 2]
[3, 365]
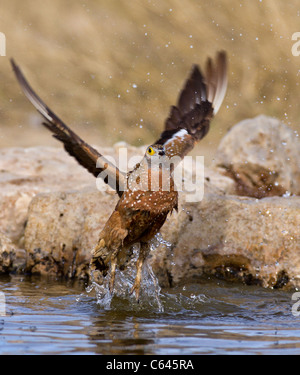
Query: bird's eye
[150, 151]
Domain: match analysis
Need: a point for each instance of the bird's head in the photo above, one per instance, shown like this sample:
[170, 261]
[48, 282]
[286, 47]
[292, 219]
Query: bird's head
[155, 154]
[156, 157]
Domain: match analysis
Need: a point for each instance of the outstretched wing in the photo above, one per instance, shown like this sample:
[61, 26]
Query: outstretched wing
[198, 102]
[86, 155]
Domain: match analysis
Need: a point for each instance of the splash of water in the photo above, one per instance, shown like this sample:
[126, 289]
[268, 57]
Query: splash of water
[121, 297]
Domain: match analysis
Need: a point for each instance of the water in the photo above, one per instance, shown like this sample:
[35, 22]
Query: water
[60, 317]
[123, 284]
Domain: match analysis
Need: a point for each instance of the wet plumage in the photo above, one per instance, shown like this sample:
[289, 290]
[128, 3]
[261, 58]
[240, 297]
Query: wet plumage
[147, 193]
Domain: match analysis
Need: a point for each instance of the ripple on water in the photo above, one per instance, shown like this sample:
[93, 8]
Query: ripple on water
[54, 316]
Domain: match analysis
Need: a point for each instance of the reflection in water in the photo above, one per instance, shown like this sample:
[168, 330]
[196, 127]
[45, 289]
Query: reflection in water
[50, 316]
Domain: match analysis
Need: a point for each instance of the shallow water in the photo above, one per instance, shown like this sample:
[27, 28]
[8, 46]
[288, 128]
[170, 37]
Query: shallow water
[52, 316]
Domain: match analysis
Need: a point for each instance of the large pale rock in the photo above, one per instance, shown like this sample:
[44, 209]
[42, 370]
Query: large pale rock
[263, 156]
[26, 172]
[236, 238]
[63, 228]
[51, 213]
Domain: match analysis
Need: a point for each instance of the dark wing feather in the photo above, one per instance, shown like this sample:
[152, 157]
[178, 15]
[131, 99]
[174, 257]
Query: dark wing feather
[199, 100]
[86, 155]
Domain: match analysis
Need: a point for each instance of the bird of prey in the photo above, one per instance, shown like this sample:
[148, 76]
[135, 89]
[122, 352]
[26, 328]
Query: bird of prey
[144, 202]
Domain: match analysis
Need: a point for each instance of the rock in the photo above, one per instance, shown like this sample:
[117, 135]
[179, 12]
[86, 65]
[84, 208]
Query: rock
[26, 172]
[7, 254]
[63, 227]
[51, 213]
[262, 155]
[235, 238]
[62, 230]
[11, 258]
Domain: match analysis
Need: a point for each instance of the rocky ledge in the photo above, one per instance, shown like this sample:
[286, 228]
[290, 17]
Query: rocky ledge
[246, 228]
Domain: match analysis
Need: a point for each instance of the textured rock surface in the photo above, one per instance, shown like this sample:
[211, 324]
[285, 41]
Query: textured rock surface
[51, 213]
[63, 228]
[263, 156]
[26, 172]
[7, 254]
[236, 238]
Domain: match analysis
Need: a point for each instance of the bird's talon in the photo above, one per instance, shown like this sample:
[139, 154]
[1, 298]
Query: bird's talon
[111, 285]
[136, 289]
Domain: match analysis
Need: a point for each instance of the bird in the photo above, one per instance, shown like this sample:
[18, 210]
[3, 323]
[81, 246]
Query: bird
[144, 202]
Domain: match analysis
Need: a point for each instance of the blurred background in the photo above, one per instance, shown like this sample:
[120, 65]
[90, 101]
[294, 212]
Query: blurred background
[112, 69]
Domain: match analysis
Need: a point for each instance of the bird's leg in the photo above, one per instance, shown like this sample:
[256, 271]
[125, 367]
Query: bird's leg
[144, 251]
[98, 267]
[113, 264]
[101, 256]
[98, 250]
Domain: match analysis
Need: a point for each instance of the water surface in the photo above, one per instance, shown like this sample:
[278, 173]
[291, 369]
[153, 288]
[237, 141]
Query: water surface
[61, 317]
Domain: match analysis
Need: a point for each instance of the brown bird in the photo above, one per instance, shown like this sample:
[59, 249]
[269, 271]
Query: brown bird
[147, 193]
